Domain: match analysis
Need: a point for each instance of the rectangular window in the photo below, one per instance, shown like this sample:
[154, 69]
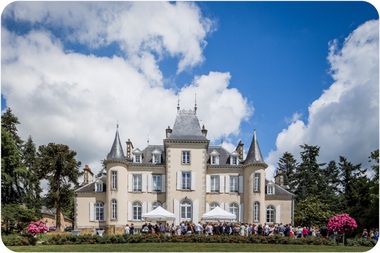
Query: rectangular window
[256, 212]
[234, 160]
[215, 159]
[137, 183]
[137, 211]
[137, 158]
[114, 180]
[186, 181]
[156, 159]
[256, 183]
[99, 212]
[185, 157]
[270, 190]
[157, 182]
[114, 209]
[234, 184]
[214, 183]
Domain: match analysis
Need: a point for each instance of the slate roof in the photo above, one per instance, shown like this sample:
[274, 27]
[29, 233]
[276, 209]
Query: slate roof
[224, 155]
[279, 192]
[90, 187]
[254, 153]
[147, 153]
[116, 152]
[186, 127]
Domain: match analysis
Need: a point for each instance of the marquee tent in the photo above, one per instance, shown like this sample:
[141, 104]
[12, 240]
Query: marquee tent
[218, 214]
[158, 214]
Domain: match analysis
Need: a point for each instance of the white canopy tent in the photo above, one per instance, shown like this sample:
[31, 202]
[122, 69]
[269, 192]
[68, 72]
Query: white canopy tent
[218, 214]
[158, 214]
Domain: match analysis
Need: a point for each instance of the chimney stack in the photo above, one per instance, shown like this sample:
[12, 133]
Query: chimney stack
[204, 131]
[129, 149]
[168, 132]
[88, 175]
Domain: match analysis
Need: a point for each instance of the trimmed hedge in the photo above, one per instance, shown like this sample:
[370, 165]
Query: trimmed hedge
[146, 238]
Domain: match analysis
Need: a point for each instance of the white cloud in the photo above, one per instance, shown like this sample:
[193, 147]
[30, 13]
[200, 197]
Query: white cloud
[76, 99]
[344, 120]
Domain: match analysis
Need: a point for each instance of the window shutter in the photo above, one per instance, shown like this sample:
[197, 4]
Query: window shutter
[221, 184]
[193, 181]
[196, 211]
[176, 212]
[163, 183]
[91, 210]
[226, 207]
[241, 214]
[143, 182]
[130, 211]
[207, 207]
[241, 184]
[227, 184]
[222, 205]
[150, 206]
[150, 182]
[179, 175]
[144, 207]
[105, 212]
[130, 182]
[208, 183]
[278, 213]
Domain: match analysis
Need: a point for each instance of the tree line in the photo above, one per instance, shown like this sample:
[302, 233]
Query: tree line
[323, 190]
[23, 166]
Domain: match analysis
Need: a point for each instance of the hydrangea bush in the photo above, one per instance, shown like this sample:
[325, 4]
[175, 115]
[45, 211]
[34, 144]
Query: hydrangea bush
[37, 227]
[341, 223]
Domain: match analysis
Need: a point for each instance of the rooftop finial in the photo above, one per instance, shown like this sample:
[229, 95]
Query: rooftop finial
[117, 125]
[178, 104]
[195, 107]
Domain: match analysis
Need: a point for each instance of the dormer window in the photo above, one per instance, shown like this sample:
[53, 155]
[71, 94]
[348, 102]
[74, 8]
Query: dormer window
[156, 156]
[99, 185]
[234, 158]
[270, 188]
[214, 157]
[137, 156]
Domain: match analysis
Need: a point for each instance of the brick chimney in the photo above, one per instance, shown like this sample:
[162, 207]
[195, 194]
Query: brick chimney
[88, 175]
[240, 150]
[168, 132]
[129, 149]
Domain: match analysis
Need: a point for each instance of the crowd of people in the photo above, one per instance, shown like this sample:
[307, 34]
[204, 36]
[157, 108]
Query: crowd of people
[243, 229]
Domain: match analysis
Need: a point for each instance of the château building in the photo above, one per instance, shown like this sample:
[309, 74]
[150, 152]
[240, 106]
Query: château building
[185, 175]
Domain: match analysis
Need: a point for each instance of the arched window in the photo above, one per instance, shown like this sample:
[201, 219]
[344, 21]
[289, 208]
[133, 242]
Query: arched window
[234, 208]
[213, 205]
[114, 209]
[99, 211]
[156, 204]
[270, 214]
[186, 210]
[256, 212]
[136, 210]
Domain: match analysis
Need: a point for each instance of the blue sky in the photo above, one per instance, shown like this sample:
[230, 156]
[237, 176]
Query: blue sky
[254, 65]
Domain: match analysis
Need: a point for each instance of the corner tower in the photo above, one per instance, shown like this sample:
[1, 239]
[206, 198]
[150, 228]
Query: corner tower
[254, 183]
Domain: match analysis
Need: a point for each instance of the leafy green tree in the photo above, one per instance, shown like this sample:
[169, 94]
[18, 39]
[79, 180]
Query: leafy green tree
[330, 184]
[32, 187]
[16, 217]
[311, 211]
[373, 214]
[59, 166]
[13, 172]
[9, 122]
[287, 168]
[309, 175]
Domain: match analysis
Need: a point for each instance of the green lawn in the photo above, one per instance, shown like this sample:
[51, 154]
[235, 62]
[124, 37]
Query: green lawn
[187, 247]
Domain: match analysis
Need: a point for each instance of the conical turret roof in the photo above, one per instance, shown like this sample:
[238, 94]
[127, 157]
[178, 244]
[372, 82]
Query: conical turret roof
[254, 154]
[116, 152]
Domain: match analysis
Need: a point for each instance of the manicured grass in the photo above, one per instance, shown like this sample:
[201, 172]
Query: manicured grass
[187, 247]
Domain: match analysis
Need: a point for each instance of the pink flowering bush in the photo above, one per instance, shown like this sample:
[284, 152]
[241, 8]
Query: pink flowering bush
[37, 227]
[341, 223]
